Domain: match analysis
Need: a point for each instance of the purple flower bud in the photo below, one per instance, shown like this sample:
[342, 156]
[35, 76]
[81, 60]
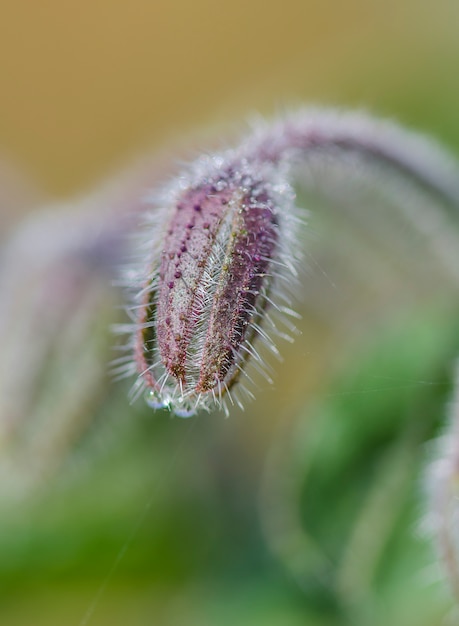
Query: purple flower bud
[221, 239]
[217, 255]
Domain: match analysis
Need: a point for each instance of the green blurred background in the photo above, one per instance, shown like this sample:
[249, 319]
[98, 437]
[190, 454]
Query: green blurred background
[305, 509]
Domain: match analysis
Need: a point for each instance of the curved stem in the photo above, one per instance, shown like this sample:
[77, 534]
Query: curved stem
[378, 142]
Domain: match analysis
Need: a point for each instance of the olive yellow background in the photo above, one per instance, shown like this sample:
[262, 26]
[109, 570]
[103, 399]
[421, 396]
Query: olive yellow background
[86, 85]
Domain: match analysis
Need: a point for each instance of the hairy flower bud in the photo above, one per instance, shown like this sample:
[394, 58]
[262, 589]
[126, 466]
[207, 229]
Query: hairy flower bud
[217, 252]
[219, 241]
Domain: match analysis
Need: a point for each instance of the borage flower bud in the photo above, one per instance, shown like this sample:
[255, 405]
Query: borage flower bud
[217, 254]
[220, 239]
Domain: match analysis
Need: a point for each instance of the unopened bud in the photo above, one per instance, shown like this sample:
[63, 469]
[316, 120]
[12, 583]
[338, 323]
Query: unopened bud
[218, 252]
[219, 241]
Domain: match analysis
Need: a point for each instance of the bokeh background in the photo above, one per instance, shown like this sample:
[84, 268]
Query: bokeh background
[305, 509]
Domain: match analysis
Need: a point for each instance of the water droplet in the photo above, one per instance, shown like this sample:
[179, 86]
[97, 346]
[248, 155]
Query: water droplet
[184, 413]
[154, 399]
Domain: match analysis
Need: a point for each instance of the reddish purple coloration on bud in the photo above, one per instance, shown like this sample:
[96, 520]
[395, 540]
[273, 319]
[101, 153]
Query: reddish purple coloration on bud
[243, 227]
[219, 249]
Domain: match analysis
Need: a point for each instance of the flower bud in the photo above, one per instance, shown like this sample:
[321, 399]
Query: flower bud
[217, 254]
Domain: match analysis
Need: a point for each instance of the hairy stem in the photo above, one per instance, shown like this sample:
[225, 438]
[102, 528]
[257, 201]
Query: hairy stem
[378, 142]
